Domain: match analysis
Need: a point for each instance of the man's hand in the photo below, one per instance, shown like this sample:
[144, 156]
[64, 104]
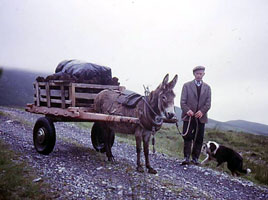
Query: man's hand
[190, 113]
[198, 114]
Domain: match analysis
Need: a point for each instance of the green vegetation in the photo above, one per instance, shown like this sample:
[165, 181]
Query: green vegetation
[252, 147]
[16, 118]
[16, 179]
[83, 125]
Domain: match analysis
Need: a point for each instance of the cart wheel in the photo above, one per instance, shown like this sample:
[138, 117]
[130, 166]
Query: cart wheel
[97, 137]
[44, 136]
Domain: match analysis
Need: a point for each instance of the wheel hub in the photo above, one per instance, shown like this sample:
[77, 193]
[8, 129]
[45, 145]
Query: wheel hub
[41, 136]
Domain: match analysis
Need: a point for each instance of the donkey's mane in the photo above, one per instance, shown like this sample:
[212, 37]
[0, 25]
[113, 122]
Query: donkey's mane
[153, 99]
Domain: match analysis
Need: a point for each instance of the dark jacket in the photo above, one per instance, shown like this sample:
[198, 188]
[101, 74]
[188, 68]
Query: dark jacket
[189, 100]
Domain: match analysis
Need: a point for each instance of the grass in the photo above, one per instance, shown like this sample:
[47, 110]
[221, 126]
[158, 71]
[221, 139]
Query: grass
[16, 118]
[252, 147]
[16, 178]
[83, 125]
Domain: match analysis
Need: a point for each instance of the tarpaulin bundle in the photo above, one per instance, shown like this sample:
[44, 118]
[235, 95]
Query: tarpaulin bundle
[83, 72]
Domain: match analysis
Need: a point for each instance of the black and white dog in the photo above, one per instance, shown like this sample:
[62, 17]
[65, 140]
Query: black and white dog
[222, 154]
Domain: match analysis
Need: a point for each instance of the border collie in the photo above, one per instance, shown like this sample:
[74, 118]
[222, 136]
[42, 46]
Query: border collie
[222, 154]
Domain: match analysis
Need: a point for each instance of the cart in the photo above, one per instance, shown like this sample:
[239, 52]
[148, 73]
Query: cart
[62, 101]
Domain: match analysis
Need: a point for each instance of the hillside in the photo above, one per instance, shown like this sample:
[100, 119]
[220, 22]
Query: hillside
[250, 126]
[16, 87]
[234, 125]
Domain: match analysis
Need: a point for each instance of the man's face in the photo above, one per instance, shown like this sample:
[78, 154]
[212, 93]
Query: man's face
[198, 74]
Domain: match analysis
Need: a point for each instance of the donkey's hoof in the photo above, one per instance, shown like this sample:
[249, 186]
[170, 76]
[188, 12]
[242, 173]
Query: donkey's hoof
[111, 159]
[140, 169]
[152, 171]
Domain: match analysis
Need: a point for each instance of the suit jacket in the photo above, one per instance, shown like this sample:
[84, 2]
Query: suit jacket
[189, 100]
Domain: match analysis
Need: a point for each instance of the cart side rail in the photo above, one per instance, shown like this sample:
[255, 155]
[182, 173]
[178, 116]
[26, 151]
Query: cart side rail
[78, 114]
[62, 94]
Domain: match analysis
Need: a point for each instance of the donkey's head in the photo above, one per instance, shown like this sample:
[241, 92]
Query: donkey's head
[164, 96]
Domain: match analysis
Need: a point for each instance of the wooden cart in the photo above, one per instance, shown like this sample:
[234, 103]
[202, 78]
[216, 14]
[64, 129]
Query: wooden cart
[62, 101]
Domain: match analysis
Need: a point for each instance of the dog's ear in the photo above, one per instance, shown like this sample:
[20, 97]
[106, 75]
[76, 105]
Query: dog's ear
[212, 147]
[204, 147]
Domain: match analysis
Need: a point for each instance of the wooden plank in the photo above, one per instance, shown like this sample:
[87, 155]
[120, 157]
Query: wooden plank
[60, 82]
[107, 118]
[72, 97]
[83, 85]
[54, 100]
[96, 86]
[48, 95]
[83, 109]
[78, 114]
[62, 96]
[42, 83]
[51, 83]
[70, 91]
[85, 95]
[52, 111]
[54, 93]
[37, 94]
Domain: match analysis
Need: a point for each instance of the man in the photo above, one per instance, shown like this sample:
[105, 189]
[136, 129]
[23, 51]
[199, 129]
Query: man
[195, 103]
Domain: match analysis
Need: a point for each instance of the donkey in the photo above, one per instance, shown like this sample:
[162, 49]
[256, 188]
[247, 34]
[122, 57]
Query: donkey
[150, 111]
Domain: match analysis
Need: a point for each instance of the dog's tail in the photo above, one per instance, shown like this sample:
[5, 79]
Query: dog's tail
[245, 171]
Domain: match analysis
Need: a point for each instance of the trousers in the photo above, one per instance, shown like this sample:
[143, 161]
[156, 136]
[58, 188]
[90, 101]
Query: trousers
[193, 141]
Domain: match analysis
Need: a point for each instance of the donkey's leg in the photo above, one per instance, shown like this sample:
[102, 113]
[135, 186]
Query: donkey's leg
[146, 140]
[110, 145]
[138, 136]
[108, 142]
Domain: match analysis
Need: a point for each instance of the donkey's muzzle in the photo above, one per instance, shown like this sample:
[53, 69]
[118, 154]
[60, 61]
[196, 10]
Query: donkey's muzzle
[170, 115]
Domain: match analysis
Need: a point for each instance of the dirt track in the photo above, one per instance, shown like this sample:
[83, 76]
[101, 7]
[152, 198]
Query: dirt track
[76, 171]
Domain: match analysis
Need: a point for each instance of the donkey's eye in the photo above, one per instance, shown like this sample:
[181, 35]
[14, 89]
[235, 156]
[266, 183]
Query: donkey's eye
[164, 98]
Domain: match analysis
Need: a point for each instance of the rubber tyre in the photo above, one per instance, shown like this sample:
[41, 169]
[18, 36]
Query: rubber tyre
[44, 135]
[97, 137]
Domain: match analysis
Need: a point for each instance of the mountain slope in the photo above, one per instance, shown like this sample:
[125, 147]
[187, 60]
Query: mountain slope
[234, 125]
[250, 126]
[16, 87]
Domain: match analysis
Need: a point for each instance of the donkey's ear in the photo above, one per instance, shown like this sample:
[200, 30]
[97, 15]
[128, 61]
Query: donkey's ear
[165, 81]
[172, 83]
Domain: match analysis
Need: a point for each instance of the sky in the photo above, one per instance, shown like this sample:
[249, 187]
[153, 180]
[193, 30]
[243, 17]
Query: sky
[143, 40]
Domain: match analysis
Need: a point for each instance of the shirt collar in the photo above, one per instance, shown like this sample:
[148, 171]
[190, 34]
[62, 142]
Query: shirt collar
[198, 83]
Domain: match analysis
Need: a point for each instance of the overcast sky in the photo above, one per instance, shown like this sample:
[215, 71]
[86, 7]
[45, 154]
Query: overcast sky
[142, 40]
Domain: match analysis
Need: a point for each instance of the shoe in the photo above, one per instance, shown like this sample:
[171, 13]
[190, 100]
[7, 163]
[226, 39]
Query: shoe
[186, 161]
[195, 161]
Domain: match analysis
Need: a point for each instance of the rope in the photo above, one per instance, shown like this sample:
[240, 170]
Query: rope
[158, 119]
[187, 130]
[188, 126]
[153, 140]
[144, 99]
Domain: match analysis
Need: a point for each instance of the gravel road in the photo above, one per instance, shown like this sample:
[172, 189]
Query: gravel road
[74, 170]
